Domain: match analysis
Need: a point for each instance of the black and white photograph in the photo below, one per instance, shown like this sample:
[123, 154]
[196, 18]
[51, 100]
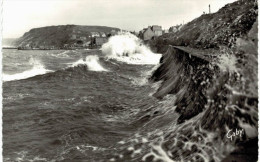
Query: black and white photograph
[129, 80]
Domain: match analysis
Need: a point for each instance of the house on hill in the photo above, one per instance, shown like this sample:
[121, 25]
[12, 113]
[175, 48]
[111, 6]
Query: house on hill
[99, 41]
[146, 34]
[150, 32]
[174, 29]
[94, 34]
[165, 31]
[103, 34]
[157, 30]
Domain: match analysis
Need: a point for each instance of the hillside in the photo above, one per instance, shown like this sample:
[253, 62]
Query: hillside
[210, 66]
[213, 30]
[58, 36]
[232, 30]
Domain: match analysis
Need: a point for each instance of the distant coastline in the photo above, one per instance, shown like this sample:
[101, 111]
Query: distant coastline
[9, 48]
[65, 37]
[75, 48]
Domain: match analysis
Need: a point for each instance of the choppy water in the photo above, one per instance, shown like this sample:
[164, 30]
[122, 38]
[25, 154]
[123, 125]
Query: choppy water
[88, 105]
[75, 108]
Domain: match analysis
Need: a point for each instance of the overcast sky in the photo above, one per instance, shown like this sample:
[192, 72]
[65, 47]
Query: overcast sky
[19, 16]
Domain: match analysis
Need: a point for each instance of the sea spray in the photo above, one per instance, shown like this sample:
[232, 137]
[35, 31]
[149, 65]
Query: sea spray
[126, 47]
[92, 61]
[227, 63]
[37, 69]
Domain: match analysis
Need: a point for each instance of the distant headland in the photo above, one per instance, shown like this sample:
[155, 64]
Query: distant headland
[64, 37]
[77, 37]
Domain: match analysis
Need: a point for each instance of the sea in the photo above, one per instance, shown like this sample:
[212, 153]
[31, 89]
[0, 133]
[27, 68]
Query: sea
[93, 105]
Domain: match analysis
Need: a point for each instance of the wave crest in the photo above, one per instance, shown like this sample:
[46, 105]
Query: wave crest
[92, 62]
[37, 69]
[126, 47]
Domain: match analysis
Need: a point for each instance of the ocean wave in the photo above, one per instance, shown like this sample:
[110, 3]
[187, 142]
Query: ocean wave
[127, 48]
[64, 54]
[227, 63]
[144, 78]
[92, 62]
[37, 69]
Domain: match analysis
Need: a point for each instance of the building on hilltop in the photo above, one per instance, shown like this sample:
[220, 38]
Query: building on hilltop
[94, 34]
[157, 30]
[99, 41]
[150, 32]
[103, 34]
[174, 29]
[165, 31]
[146, 33]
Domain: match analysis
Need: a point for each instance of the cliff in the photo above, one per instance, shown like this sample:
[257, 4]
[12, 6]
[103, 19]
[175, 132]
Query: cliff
[210, 66]
[213, 30]
[180, 63]
[58, 36]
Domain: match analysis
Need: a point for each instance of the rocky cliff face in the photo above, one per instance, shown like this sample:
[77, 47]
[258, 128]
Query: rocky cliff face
[183, 68]
[58, 36]
[210, 65]
[213, 30]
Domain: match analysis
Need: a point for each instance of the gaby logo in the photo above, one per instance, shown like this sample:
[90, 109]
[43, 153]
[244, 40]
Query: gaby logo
[232, 134]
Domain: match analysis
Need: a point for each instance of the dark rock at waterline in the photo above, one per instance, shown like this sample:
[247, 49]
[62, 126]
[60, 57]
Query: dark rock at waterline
[227, 109]
[191, 73]
[185, 76]
[221, 100]
[200, 86]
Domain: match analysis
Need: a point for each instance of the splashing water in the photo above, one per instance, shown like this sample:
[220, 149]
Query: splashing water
[92, 61]
[126, 47]
[38, 69]
[227, 63]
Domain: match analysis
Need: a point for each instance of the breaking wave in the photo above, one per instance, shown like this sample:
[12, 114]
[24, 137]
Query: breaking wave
[37, 69]
[227, 63]
[126, 47]
[92, 62]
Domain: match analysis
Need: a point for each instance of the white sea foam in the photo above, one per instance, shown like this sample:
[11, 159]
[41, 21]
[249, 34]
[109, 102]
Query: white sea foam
[64, 54]
[92, 61]
[126, 47]
[37, 69]
[227, 63]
